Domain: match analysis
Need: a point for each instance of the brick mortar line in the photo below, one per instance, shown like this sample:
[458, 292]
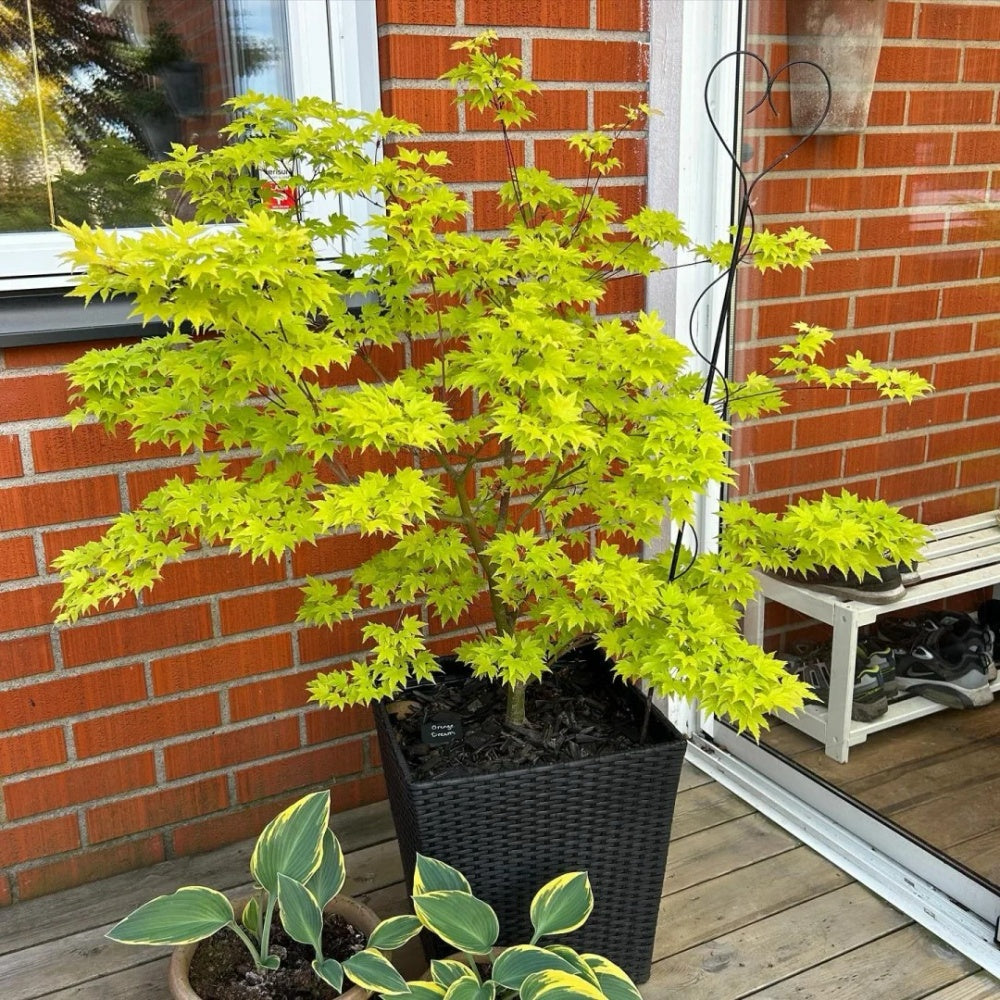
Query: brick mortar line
[541, 135]
[873, 473]
[80, 472]
[904, 42]
[545, 86]
[806, 451]
[946, 213]
[505, 32]
[626, 180]
[871, 293]
[108, 799]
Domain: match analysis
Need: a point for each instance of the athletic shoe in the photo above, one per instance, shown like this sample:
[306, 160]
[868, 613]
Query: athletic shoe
[885, 588]
[977, 637]
[904, 633]
[883, 658]
[945, 671]
[811, 662]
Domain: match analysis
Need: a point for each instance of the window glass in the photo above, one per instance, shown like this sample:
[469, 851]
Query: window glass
[91, 90]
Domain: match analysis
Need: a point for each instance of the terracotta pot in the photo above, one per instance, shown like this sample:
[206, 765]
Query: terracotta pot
[845, 38]
[351, 910]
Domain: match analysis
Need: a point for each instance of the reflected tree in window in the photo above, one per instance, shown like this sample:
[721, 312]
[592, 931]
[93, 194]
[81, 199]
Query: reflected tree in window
[92, 90]
[81, 110]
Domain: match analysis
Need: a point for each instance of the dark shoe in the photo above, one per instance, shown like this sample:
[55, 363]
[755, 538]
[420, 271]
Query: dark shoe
[945, 671]
[812, 664]
[931, 627]
[882, 658]
[885, 588]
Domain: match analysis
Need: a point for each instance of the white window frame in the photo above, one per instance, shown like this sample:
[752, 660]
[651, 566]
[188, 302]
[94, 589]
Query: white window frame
[693, 179]
[335, 56]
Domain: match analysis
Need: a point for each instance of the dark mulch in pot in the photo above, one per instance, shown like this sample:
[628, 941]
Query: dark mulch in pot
[577, 710]
[222, 968]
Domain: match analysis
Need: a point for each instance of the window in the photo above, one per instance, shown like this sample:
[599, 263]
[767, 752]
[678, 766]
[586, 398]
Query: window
[91, 90]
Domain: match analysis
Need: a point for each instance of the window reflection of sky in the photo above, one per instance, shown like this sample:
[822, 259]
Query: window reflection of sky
[263, 24]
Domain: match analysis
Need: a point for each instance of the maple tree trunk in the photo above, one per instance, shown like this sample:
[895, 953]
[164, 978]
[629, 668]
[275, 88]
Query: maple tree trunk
[515, 704]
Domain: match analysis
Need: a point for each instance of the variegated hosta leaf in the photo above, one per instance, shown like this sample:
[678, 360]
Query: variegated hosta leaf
[394, 932]
[292, 842]
[459, 919]
[515, 964]
[562, 905]
[471, 989]
[420, 990]
[329, 878]
[445, 971]
[614, 982]
[300, 913]
[189, 914]
[374, 972]
[330, 971]
[430, 875]
[555, 985]
[580, 967]
[251, 916]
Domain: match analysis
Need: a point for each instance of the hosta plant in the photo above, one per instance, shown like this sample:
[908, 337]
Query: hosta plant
[509, 448]
[298, 867]
[443, 903]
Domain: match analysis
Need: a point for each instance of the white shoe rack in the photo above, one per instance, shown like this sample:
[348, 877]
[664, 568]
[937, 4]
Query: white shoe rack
[963, 555]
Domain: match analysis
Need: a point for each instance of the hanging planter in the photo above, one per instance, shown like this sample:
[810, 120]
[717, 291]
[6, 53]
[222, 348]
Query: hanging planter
[843, 38]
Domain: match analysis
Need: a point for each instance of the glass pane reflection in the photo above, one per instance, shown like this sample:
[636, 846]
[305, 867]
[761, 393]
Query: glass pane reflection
[92, 90]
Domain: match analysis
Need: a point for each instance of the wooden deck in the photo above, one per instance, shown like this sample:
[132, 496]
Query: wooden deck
[746, 912]
[935, 777]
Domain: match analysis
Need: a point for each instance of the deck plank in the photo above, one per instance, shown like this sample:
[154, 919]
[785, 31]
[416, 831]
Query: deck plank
[962, 774]
[705, 806]
[739, 898]
[981, 854]
[903, 965]
[763, 953]
[143, 982]
[957, 816]
[709, 853]
[930, 738]
[935, 777]
[980, 986]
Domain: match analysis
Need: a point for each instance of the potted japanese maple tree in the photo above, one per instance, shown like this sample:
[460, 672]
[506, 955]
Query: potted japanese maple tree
[512, 469]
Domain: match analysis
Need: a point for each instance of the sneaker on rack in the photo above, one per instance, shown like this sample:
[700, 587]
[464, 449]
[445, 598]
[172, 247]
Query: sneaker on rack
[931, 626]
[945, 671]
[884, 588]
[811, 662]
[975, 635]
[882, 657]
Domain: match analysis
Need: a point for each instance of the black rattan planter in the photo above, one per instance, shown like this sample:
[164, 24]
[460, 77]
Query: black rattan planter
[511, 832]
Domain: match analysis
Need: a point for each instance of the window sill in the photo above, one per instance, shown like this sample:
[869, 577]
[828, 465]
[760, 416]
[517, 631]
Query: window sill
[31, 318]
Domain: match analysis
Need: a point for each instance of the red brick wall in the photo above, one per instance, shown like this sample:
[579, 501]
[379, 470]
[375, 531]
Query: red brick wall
[181, 724]
[913, 277]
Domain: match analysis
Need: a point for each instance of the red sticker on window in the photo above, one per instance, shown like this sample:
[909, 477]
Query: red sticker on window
[281, 197]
